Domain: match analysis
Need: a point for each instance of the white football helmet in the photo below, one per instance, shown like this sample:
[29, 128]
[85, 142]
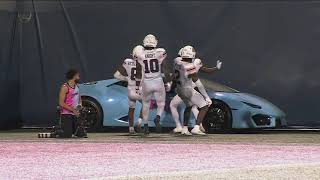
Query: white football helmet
[150, 41]
[137, 51]
[180, 52]
[188, 52]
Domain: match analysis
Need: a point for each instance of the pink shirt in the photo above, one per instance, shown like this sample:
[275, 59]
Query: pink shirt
[72, 98]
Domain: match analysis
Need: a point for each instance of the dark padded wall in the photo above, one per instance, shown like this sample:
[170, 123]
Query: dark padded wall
[9, 72]
[268, 49]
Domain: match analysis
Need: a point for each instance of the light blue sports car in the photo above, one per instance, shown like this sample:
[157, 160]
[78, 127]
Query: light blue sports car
[106, 104]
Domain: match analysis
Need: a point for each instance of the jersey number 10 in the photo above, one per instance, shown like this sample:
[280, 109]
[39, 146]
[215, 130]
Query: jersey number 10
[151, 65]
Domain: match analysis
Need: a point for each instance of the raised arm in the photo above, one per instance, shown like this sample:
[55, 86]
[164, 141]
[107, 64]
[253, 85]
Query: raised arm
[211, 69]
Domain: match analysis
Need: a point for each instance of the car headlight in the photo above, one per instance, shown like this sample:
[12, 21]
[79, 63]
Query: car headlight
[252, 105]
[262, 119]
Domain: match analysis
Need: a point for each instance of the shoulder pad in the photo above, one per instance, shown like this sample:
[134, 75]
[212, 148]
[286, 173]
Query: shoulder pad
[161, 50]
[128, 60]
[197, 62]
[177, 60]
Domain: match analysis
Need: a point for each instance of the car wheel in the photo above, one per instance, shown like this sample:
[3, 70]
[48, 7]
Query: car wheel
[92, 113]
[218, 118]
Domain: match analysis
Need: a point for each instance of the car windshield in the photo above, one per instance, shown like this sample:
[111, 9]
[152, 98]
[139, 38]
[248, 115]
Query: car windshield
[214, 86]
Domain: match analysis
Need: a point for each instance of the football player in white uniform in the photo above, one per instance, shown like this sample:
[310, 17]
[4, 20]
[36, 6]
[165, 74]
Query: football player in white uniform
[177, 101]
[186, 69]
[149, 70]
[127, 72]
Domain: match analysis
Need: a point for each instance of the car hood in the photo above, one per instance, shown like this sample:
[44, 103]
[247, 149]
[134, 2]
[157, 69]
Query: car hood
[265, 104]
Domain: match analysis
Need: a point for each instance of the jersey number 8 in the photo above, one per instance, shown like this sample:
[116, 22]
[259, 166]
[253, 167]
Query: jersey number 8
[133, 73]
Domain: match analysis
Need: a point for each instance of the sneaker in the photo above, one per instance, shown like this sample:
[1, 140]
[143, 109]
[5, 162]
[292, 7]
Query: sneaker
[202, 128]
[177, 130]
[196, 130]
[157, 123]
[185, 131]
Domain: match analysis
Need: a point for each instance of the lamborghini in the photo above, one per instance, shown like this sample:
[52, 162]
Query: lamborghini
[106, 102]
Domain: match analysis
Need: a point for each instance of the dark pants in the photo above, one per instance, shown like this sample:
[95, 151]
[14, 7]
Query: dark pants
[68, 125]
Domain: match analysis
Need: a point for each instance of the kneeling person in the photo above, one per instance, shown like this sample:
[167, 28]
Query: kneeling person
[70, 104]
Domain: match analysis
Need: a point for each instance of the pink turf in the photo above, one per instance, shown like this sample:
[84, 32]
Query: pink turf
[36, 160]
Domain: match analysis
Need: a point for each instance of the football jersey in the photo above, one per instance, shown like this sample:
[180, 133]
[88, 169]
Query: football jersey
[130, 66]
[184, 69]
[151, 61]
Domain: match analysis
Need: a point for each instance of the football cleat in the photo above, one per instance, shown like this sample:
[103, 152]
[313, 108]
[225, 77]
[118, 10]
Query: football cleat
[185, 131]
[202, 128]
[196, 131]
[177, 130]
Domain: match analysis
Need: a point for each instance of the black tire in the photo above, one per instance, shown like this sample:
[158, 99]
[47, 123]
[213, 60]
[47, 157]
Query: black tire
[218, 118]
[93, 114]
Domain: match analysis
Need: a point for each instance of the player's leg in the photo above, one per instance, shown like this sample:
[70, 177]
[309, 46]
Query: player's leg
[139, 122]
[198, 128]
[147, 94]
[195, 112]
[202, 113]
[131, 118]
[160, 97]
[186, 117]
[132, 97]
[198, 100]
[185, 95]
[145, 113]
[175, 102]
